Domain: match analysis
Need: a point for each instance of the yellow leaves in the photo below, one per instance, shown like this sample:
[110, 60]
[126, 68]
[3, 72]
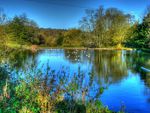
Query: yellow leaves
[50, 41]
[72, 33]
[44, 102]
[25, 110]
[5, 90]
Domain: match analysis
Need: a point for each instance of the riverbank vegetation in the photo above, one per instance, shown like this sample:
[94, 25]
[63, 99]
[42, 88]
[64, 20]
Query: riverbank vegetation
[100, 28]
[58, 92]
[30, 85]
[48, 91]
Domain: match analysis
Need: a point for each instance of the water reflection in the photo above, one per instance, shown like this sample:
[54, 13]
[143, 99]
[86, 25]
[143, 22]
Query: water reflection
[135, 60]
[119, 71]
[110, 65]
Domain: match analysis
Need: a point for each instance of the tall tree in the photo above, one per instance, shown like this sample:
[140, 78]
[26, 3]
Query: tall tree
[111, 26]
[22, 28]
[139, 33]
[2, 17]
[3, 21]
[107, 26]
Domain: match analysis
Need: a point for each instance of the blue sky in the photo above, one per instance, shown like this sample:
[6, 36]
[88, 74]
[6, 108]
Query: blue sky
[67, 13]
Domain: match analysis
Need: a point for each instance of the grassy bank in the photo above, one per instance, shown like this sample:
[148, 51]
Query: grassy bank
[85, 48]
[16, 45]
[37, 47]
[24, 45]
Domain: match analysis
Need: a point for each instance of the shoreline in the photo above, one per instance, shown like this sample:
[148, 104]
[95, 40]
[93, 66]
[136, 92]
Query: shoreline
[37, 47]
[84, 48]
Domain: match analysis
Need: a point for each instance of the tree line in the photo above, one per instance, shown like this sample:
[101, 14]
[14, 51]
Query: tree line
[102, 27]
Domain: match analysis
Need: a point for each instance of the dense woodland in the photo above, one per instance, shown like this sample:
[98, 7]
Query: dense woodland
[99, 28]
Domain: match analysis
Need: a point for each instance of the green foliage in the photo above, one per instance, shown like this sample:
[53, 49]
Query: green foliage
[50, 41]
[99, 28]
[60, 39]
[139, 34]
[48, 92]
[96, 107]
[22, 29]
[108, 27]
[38, 39]
[72, 38]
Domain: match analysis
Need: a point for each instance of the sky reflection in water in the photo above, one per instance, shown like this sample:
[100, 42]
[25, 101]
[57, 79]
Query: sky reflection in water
[119, 71]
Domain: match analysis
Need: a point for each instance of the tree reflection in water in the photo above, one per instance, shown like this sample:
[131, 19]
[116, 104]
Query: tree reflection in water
[106, 68]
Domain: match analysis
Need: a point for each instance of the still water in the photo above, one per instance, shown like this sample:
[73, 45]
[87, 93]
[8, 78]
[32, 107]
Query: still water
[119, 71]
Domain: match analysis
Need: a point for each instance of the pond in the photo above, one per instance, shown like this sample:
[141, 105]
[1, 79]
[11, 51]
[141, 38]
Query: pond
[119, 71]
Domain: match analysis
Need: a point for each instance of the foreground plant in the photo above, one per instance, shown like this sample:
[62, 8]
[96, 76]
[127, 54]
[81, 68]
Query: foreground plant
[52, 92]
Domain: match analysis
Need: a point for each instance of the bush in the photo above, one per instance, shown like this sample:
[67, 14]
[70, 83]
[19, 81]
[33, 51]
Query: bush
[49, 92]
[50, 41]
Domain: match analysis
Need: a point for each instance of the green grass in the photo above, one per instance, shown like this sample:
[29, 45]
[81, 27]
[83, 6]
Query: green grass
[17, 45]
